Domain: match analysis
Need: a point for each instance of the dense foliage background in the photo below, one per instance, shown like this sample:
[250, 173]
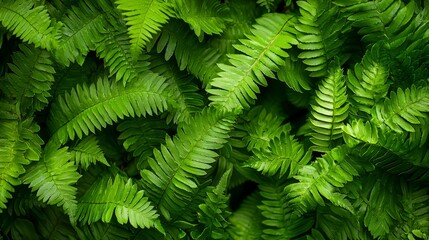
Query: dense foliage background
[208, 119]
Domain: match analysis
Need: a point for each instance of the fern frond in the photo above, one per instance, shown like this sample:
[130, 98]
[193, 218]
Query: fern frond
[294, 75]
[52, 223]
[329, 111]
[144, 19]
[204, 16]
[87, 108]
[368, 80]
[87, 152]
[280, 221]
[31, 79]
[116, 51]
[104, 231]
[318, 25]
[322, 178]
[182, 86]
[107, 197]
[53, 178]
[268, 4]
[30, 23]
[246, 222]
[178, 163]
[212, 214]
[83, 28]
[284, 156]
[23, 202]
[402, 111]
[263, 53]
[19, 145]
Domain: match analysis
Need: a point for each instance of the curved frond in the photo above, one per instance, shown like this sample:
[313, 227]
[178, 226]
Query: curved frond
[321, 179]
[104, 231]
[19, 145]
[144, 19]
[263, 53]
[319, 24]
[294, 75]
[368, 80]
[178, 164]
[204, 16]
[284, 156]
[31, 79]
[109, 197]
[87, 108]
[329, 111]
[403, 110]
[52, 224]
[87, 152]
[246, 222]
[30, 23]
[54, 177]
[83, 27]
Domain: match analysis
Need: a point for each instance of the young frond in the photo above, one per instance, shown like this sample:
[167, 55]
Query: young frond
[83, 26]
[404, 110]
[318, 26]
[204, 16]
[30, 23]
[87, 152]
[54, 177]
[176, 166]
[31, 78]
[115, 50]
[262, 54]
[279, 219]
[321, 179]
[368, 80]
[87, 108]
[284, 156]
[109, 197]
[19, 145]
[144, 19]
[329, 111]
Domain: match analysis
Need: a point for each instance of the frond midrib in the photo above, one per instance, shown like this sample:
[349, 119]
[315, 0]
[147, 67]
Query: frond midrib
[22, 17]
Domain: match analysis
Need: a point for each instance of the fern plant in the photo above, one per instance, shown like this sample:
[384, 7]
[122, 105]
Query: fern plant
[210, 119]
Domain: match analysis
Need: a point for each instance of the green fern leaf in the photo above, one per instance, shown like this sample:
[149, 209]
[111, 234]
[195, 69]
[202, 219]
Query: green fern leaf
[83, 26]
[402, 111]
[284, 155]
[279, 219]
[31, 24]
[204, 16]
[107, 197]
[173, 178]
[53, 178]
[19, 145]
[318, 24]
[268, 4]
[87, 152]
[263, 53]
[104, 231]
[88, 108]
[31, 79]
[368, 80]
[294, 75]
[322, 178]
[246, 222]
[23, 202]
[52, 224]
[329, 111]
[144, 19]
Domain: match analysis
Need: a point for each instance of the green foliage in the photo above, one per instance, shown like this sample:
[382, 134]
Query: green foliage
[210, 119]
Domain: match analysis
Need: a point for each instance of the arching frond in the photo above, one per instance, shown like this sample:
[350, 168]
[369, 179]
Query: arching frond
[246, 222]
[109, 197]
[237, 84]
[368, 80]
[30, 23]
[104, 231]
[284, 156]
[175, 169]
[87, 152]
[402, 111]
[329, 111]
[321, 179]
[23, 202]
[87, 108]
[52, 223]
[318, 25]
[294, 75]
[31, 79]
[204, 16]
[144, 19]
[19, 145]
[54, 177]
